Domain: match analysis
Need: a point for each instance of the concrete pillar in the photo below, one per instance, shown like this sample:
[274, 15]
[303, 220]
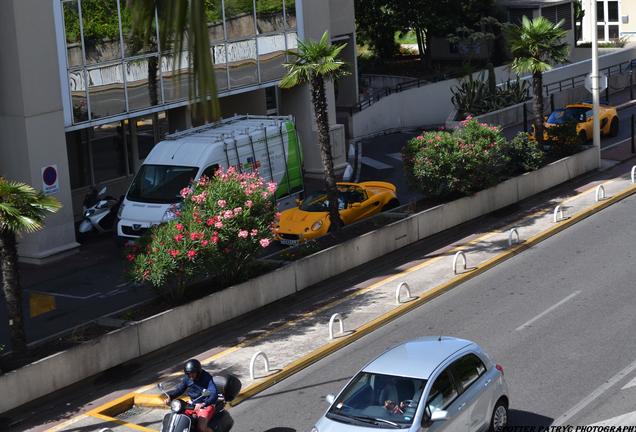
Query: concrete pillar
[31, 117]
[313, 20]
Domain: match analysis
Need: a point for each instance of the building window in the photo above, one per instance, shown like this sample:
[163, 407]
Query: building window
[79, 158]
[515, 16]
[564, 12]
[612, 11]
[111, 72]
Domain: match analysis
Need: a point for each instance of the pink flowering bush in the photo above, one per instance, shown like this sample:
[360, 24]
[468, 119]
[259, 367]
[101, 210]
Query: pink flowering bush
[476, 156]
[220, 226]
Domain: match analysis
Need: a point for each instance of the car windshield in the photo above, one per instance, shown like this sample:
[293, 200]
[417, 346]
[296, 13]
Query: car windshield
[347, 195]
[568, 114]
[382, 401]
[318, 202]
[160, 183]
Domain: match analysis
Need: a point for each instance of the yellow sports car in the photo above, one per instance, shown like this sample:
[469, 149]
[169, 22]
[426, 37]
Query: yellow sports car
[356, 201]
[582, 114]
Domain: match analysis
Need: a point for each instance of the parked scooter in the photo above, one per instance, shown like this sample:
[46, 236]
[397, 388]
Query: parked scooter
[100, 212]
[182, 417]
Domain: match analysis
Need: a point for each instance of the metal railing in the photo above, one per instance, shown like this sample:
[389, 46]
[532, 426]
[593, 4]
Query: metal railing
[549, 89]
[579, 80]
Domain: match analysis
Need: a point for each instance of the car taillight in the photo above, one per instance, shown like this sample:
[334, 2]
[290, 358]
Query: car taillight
[500, 369]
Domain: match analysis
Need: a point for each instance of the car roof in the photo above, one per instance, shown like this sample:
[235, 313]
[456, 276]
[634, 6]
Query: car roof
[417, 358]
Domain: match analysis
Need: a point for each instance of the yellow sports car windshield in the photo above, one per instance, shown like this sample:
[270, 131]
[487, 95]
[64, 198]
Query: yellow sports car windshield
[318, 202]
[560, 116]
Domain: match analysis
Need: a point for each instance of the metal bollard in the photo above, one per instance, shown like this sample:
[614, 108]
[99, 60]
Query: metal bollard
[334, 317]
[457, 255]
[253, 361]
[398, 291]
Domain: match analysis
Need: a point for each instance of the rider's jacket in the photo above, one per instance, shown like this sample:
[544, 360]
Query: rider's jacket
[195, 388]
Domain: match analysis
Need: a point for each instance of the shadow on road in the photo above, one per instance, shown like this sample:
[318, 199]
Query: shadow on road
[525, 418]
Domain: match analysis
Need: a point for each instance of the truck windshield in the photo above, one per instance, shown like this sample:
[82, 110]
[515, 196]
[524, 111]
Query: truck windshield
[160, 183]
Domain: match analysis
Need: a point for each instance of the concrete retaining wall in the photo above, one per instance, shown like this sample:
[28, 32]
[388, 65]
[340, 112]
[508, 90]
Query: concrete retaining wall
[67, 367]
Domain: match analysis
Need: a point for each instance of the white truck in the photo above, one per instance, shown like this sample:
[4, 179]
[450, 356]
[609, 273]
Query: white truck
[269, 144]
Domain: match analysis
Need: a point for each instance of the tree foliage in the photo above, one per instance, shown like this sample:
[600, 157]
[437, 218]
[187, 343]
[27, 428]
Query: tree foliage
[217, 231]
[317, 62]
[536, 45]
[22, 210]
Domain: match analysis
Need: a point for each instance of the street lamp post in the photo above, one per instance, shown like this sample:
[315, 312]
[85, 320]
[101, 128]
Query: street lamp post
[595, 83]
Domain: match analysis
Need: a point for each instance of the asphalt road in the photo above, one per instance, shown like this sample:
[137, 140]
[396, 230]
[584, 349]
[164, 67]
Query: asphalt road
[558, 317]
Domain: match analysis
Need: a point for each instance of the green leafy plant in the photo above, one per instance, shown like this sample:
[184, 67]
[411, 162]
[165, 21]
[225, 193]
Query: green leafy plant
[446, 164]
[470, 96]
[563, 140]
[221, 225]
[475, 96]
[524, 155]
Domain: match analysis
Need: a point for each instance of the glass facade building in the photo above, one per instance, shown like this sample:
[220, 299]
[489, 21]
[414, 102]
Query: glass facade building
[120, 88]
[111, 73]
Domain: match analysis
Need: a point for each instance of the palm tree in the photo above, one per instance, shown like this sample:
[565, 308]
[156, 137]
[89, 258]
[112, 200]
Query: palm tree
[22, 210]
[317, 62]
[182, 23]
[536, 45]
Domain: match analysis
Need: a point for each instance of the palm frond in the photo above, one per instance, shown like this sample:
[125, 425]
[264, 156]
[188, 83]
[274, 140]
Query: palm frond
[22, 208]
[314, 58]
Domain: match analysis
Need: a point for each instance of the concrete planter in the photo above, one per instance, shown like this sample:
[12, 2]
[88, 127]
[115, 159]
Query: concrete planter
[67, 367]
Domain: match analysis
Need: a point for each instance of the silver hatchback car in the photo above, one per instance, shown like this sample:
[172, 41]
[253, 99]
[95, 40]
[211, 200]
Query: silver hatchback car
[436, 383]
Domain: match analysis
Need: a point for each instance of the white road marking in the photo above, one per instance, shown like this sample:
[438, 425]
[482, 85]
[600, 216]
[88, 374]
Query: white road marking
[121, 285]
[397, 156]
[594, 395]
[628, 419]
[630, 384]
[375, 163]
[548, 310]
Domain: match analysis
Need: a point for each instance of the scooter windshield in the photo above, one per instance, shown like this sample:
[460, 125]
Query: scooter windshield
[160, 183]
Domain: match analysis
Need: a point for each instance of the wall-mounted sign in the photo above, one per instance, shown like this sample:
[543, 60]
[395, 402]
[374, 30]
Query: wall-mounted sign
[50, 180]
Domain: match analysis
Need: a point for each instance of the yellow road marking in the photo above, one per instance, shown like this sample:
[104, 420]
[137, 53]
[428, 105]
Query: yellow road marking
[40, 303]
[123, 423]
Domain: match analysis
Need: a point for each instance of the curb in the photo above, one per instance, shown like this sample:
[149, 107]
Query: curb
[382, 320]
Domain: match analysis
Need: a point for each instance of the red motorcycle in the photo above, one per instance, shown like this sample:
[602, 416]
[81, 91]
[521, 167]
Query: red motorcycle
[182, 415]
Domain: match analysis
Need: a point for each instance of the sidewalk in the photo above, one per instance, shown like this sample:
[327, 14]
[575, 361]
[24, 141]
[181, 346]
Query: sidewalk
[365, 299]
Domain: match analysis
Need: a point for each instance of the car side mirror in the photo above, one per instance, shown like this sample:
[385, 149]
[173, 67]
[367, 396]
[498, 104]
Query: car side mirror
[439, 415]
[330, 399]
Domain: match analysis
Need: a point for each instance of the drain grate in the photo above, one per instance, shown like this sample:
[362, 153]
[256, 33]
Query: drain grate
[134, 411]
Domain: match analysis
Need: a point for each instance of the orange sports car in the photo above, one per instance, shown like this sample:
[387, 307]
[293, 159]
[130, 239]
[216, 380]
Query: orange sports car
[356, 201]
[581, 113]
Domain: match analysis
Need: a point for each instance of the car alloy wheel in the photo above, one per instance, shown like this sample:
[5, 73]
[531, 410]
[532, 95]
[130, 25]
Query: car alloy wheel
[499, 417]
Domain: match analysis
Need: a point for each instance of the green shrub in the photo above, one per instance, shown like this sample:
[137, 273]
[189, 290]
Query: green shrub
[446, 164]
[219, 227]
[525, 155]
[563, 139]
[476, 156]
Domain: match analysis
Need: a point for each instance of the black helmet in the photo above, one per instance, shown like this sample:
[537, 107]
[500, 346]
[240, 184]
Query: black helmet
[192, 366]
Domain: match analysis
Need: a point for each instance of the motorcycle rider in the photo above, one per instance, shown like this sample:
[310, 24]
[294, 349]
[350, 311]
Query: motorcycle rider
[195, 381]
